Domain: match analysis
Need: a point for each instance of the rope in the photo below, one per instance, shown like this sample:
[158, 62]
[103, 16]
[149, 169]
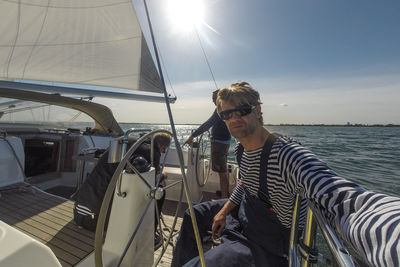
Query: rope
[205, 56]
[166, 73]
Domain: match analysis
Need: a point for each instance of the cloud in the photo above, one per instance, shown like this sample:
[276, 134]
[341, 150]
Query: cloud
[369, 100]
[329, 100]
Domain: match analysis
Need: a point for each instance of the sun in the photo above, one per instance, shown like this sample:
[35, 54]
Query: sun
[185, 14]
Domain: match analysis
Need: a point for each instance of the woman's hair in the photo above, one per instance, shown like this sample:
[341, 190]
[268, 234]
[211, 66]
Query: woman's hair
[214, 96]
[162, 139]
[238, 94]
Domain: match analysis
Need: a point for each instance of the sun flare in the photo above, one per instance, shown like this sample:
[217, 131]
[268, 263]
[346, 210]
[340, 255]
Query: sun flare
[185, 14]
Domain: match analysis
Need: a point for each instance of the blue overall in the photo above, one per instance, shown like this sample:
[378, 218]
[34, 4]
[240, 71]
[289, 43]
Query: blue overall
[253, 235]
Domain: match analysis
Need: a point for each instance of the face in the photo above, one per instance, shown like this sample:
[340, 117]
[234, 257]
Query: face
[163, 148]
[241, 126]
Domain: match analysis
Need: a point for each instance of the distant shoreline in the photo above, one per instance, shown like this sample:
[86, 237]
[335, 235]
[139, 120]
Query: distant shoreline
[288, 124]
[85, 124]
[337, 125]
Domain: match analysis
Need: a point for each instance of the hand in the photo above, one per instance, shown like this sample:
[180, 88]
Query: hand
[218, 225]
[165, 175]
[189, 141]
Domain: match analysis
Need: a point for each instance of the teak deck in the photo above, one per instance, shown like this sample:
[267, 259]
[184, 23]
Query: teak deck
[49, 219]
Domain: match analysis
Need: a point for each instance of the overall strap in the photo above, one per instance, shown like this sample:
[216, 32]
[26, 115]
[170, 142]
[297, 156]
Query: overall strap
[263, 189]
[239, 154]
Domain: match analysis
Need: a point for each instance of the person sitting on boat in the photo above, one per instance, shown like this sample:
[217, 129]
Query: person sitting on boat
[89, 197]
[254, 223]
[220, 141]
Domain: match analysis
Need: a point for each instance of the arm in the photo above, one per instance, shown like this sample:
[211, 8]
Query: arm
[368, 220]
[219, 220]
[204, 127]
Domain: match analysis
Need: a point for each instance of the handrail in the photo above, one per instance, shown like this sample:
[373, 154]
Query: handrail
[306, 245]
[309, 255]
[339, 251]
[294, 233]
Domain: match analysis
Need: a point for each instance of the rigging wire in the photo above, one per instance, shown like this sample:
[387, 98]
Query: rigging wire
[205, 56]
[75, 116]
[166, 72]
[9, 111]
[89, 99]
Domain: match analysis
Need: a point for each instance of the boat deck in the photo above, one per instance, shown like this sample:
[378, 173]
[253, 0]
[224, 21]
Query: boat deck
[49, 219]
[167, 257]
[169, 210]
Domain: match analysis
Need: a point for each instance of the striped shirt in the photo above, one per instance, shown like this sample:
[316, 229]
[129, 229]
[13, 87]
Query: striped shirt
[368, 220]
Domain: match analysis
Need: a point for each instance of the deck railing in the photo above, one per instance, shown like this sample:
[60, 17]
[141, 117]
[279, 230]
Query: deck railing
[303, 249]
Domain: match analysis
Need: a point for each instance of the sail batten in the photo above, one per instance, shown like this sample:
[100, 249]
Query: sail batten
[91, 42]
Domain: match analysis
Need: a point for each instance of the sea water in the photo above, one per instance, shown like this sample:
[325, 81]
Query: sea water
[368, 156]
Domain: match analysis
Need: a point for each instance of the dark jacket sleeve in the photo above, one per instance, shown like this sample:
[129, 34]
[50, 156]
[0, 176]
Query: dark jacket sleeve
[207, 124]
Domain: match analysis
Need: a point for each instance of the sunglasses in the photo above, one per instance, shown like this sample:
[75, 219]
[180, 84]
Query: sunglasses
[239, 111]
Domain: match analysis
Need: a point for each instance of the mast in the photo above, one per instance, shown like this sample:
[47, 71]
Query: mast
[178, 147]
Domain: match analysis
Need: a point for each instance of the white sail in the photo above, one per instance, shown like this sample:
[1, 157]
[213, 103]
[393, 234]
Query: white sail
[91, 42]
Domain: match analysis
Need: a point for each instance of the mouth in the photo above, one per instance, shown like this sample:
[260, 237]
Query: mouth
[236, 126]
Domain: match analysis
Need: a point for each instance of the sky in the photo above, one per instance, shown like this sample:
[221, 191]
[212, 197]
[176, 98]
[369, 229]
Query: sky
[313, 61]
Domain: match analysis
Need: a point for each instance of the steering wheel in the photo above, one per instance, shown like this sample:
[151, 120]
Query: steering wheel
[155, 193]
[203, 159]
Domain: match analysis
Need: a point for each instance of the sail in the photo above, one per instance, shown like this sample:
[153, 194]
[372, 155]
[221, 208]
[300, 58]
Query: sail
[91, 42]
